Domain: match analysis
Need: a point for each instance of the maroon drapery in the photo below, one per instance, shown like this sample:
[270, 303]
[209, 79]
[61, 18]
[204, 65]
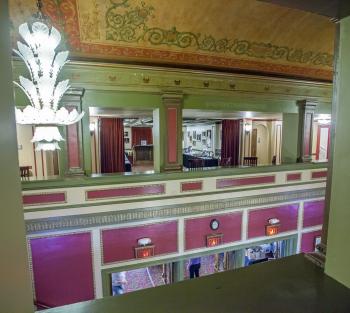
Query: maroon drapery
[141, 133]
[112, 145]
[230, 142]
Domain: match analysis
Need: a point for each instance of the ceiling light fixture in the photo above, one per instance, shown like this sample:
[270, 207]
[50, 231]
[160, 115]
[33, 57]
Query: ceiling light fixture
[42, 89]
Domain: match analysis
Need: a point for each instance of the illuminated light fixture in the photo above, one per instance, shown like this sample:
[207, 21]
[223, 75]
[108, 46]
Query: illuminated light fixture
[248, 127]
[323, 119]
[92, 127]
[145, 248]
[214, 240]
[42, 89]
[272, 228]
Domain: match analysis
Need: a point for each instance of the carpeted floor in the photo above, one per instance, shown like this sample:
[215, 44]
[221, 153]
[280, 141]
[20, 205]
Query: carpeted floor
[152, 276]
[144, 278]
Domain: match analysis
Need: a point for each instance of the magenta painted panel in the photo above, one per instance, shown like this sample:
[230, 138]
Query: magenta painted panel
[62, 268]
[293, 176]
[313, 213]
[233, 182]
[118, 244]
[308, 241]
[73, 146]
[191, 186]
[45, 198]
[258, 219]
[196, 229]
[320, 174]
[172, 135]
[73, 143]
[126, 192]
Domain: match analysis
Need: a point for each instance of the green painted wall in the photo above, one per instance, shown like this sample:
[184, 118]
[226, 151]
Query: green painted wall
[290, 137]
[139, 88]
[338, 252]
[16, 293]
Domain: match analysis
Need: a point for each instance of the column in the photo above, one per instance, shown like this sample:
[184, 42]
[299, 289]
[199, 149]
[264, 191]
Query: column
[237, 259]
[178, 271]
[74, 162]
[290, 138]
[167, 136]
[338, 252]
[306, 119]
[16, 292]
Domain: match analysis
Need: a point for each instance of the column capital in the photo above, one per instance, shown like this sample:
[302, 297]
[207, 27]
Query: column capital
[307, 104]
[73, 94]
[172, 97]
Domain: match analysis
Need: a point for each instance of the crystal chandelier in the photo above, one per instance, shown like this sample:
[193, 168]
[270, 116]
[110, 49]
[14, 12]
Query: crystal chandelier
[42, 89]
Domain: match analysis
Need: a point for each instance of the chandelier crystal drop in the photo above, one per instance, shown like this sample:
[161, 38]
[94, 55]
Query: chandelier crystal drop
[42, 89]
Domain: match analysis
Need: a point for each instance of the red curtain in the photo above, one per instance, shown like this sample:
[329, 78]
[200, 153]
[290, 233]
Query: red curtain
[141, 133]
[230, 141]
[112, 145]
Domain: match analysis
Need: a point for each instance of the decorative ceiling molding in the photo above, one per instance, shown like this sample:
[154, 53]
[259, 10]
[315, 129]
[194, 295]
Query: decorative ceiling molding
[135, 31]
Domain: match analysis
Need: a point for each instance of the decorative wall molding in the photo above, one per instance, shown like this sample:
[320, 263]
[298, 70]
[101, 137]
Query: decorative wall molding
[96, 76]
[110, 218]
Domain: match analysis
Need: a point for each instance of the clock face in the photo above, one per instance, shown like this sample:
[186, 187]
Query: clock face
[214, 224]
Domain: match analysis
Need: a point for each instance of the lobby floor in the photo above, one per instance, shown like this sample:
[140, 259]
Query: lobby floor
[288, 285]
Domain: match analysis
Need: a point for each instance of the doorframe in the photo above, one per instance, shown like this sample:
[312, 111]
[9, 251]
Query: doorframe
[106, 273]
[319, 140]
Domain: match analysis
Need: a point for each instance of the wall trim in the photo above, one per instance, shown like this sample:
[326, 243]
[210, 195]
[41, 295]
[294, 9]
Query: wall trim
[133, 215]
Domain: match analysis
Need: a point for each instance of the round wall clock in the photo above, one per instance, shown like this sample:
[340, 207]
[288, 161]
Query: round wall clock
[214, 224]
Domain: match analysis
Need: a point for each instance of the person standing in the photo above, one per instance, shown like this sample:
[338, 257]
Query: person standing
[118, 283]
[194, 266]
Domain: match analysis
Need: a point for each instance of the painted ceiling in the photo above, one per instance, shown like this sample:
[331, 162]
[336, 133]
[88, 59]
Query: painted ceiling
[245, 35]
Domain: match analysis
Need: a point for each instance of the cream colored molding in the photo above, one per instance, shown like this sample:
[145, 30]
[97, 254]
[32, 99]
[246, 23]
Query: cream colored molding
[165, 212]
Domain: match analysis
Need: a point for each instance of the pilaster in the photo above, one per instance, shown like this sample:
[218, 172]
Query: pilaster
[306, 118]
[168, 133]
[74, 162]
[290, 138]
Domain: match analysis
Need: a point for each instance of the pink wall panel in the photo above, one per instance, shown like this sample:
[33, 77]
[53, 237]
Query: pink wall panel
[118, 244]
[145, 190]
[196, 229]
[293, 176]
[313, 213]
[258, 219]
[308, 241]
[73, 146]
[73, 143]
[172, 134]
[244, 181]
[192, 186]
[320, 174]
[45, 198]
[62, 268]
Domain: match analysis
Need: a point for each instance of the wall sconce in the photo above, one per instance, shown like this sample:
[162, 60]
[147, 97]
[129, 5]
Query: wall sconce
[214, 240]
[272, 228]
[248, 127]
[92, 127]
[145, 249]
